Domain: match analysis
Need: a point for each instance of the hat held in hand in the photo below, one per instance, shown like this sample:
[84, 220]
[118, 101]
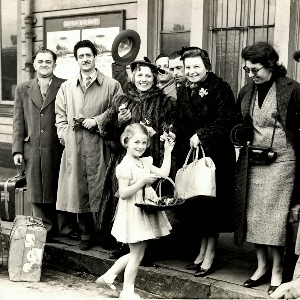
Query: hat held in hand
[125, 47]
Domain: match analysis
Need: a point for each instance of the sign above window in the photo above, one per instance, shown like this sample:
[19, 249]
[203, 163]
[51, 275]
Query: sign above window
[86, 22]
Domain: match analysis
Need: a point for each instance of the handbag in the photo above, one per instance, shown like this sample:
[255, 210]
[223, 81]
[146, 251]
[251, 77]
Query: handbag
[263, 155]
[163, 202]
[197, 178]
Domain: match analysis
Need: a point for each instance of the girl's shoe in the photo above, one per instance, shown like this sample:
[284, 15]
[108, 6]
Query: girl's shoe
[129, 296]
[101, 282]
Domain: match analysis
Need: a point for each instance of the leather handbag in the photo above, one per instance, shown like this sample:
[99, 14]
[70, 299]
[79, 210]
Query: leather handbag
[197, 178]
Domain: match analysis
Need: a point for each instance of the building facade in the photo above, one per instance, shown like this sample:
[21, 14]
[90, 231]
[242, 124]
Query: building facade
[222, 27]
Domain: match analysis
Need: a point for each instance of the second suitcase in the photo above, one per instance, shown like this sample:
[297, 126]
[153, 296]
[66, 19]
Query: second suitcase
[22, 206]
[7, 192]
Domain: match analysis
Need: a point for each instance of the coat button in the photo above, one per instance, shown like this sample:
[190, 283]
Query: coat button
[42, 114]
[84, 175]
[84, 156]
[42, 131]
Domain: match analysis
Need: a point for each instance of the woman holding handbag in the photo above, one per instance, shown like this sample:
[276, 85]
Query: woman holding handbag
[205, 109]
[268, 113]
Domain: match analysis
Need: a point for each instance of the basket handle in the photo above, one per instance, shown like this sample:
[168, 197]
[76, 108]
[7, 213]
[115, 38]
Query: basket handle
[160, 183]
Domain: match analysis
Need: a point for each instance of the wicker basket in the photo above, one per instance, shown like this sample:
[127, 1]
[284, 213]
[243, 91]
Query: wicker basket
[164, 202]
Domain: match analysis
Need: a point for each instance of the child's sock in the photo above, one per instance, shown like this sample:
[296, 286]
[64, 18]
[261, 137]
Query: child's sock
[128, 288]
[109, 277]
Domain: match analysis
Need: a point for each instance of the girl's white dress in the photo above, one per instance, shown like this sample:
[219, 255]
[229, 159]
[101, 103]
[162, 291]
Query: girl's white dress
[133, 224]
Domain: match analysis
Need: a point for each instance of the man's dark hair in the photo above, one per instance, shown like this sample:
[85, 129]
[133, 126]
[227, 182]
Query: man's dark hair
[160, 56]
[175, 54]
[45, 50]
[85, 44]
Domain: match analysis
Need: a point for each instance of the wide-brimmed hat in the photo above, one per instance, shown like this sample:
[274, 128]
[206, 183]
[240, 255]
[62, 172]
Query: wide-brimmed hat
[125, 47]
[148, 63]
[296, 55]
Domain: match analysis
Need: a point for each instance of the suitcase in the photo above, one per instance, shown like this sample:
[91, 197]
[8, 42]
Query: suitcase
[26, 249]
[22, 206]
[7, 188]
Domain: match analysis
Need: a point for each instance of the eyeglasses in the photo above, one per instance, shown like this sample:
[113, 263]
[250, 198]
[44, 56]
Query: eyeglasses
[253, 70]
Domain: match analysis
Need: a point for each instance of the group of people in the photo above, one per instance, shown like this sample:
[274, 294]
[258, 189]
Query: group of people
[94, 146]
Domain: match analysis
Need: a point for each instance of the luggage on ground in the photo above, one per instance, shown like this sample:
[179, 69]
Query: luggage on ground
[27, 242]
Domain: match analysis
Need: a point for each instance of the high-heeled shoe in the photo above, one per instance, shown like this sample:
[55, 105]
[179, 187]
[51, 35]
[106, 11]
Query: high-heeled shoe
[253, 283]
[193, 266]
[272, 288]
[200, 272]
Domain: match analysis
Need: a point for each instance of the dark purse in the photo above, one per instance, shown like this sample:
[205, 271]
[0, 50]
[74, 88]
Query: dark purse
[263, 155]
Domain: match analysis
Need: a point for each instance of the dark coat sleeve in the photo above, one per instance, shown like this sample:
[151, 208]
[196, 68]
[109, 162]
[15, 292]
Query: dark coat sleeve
[220, 124]
[19, 133]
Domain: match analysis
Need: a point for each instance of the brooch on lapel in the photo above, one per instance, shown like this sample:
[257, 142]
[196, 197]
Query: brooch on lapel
[203, 92]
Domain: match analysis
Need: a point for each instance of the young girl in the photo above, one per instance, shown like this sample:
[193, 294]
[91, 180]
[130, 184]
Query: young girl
[132, 224]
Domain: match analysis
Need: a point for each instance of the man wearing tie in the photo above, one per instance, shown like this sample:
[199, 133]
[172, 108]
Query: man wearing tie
[35, 140]
[84, 97]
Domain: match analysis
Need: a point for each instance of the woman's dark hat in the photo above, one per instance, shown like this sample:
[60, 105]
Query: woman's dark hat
[296, 55]
[146, 62]
[125, 47]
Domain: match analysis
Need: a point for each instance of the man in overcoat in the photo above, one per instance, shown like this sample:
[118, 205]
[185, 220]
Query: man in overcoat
[35, 140]
[84, 97]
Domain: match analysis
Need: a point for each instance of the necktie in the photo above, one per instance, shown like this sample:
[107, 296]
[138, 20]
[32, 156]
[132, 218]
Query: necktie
[88, 81]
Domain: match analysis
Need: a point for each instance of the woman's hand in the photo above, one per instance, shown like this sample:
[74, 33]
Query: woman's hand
[194, 141]
[124, 116]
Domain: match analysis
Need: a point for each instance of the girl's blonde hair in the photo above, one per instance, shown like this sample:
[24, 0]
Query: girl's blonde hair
[131, 130]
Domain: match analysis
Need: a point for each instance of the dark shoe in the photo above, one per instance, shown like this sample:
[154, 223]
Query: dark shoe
[272, 288]
[253, 283]
[204, 272]
[193, 266]
[72, 235]
[85, 245]
[122, 250]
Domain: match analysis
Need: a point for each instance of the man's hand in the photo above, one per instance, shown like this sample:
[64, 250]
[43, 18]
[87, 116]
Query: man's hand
[89, 123]
[18, 159]
[124, 116]
[288, 290]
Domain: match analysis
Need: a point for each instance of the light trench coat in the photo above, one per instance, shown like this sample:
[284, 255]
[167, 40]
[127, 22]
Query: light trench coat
[86, 155]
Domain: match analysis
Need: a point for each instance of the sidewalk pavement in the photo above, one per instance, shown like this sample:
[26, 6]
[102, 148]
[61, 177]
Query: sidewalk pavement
[169, 279]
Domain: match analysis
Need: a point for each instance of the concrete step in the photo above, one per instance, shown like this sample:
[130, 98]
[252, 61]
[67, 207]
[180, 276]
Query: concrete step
[169, 279]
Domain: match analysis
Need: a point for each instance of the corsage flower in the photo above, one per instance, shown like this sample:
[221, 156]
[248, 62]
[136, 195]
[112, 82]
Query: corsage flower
[203, 92]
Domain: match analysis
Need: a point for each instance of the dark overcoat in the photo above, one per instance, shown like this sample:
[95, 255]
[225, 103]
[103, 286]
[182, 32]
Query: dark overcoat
[288, 104]
[208, 110]
[34, 136]
[153, 106]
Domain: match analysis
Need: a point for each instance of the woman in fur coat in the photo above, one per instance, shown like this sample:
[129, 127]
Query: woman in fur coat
[205, 109]
[142, 102]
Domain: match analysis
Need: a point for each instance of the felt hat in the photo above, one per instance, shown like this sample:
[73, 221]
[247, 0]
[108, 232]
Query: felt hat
[125, 47]
[148, 63]
[296, 55]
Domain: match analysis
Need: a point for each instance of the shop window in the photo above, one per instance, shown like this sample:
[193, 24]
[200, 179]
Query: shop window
[8, 49]
[175, 25]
